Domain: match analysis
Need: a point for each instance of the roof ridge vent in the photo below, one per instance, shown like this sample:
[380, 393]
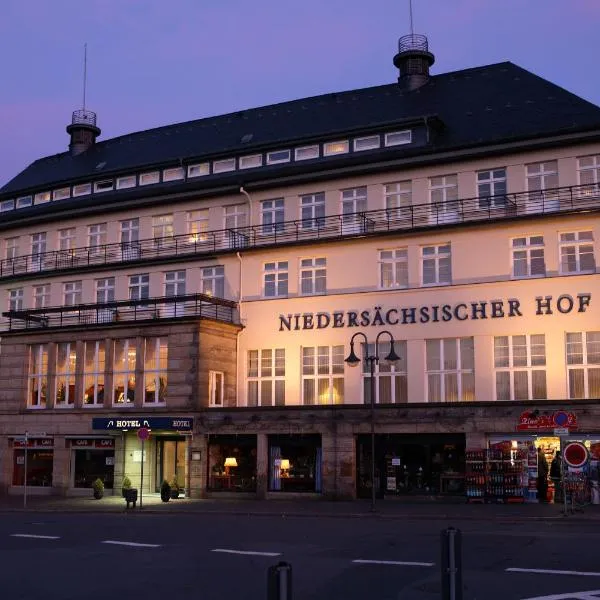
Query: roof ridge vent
[413, 61]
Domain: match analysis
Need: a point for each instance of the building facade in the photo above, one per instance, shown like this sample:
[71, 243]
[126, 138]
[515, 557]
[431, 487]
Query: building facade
[204, 281]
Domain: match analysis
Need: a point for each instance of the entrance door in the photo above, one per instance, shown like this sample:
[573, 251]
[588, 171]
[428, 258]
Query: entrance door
[170, 461]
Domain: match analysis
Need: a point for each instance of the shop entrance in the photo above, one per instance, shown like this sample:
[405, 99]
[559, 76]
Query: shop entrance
[170, 460]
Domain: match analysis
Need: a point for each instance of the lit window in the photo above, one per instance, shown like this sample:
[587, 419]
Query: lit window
[583, 364]
[124, 361]
[397, 138]
[38, 376]
[42, 197]
[82, 189]
[24, 201]
[307, 152]
[198, 170]
[224, 166]
[94, 365]
[450, 365]
[367, 143]
[149, 178]
[197, 225]
[155, 370]
[323, 375]
[126, 182]
[173, 174]
[333, 148]
[213, 281]
[61, 194]
[391, 381]
[66, 359]
[278, 156]
[103, 186]
[248, 162]
[216, 388]
[266, 377]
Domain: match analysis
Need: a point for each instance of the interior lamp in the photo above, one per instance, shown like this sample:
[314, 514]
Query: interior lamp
[230, 461]
[284, 465]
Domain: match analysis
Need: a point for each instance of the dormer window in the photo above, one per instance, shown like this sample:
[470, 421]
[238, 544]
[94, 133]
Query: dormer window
[249, 162]
[367, 143]
[173, 174]
[397, 138]
[199, 170]
[7, 205]
[149, 178]
[42, 198]
[82, 189]
[103, 186]
[61, 194]
[278, 156]
[24, 201]
[126, 182]
[332, 148]
[307, 152]
[223, 166]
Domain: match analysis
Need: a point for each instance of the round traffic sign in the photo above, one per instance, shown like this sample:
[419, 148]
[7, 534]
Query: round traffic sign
[575, 455]
[143, 433]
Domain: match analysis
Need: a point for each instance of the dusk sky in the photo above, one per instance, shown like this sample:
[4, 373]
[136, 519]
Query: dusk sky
[157, 62]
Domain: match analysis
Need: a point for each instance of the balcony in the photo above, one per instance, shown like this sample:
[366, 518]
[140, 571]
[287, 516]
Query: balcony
[191, 306]
[416, 217]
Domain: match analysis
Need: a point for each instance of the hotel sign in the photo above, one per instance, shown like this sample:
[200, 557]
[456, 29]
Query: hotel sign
[436, 313]
[125, 423]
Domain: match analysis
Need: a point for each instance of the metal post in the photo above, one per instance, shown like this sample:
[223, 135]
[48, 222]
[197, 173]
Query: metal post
[142, 475]
[279, 582]
[562, 481]
[25, 473]
[371, 360]
[452, 588]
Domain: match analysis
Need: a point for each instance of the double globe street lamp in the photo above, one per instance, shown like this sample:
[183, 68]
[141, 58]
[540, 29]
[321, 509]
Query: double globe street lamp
[371, 359]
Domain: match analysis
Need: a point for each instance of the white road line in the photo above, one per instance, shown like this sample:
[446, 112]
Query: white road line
[134, 544]
[37, 537]
[246, 552]
[401, 563]
[591, 595]
[555, 572]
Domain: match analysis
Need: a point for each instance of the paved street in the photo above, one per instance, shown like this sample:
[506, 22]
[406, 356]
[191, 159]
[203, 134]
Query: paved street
[221, 557]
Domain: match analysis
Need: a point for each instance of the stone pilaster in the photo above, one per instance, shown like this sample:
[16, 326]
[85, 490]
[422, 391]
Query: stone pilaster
[60, 467]
[198, 468]
[262, 465]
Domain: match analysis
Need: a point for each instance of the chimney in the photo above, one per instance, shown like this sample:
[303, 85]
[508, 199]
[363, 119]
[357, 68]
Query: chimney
[413, 61]
[83, 131]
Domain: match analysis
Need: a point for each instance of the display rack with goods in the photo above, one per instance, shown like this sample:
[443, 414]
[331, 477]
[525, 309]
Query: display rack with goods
[475, 475]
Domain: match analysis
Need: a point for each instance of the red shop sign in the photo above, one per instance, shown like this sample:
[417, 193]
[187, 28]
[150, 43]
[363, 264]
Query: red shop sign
[34, 443]
[92, 443]
[533, 421]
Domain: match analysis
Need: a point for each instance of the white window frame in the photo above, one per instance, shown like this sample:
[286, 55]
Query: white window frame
[272, 215]
[276, 275]
[37, 373]
[149, 178]
[83, 189]
[312, 210]
[105, 290]
[216, 388]
[398, 138]
[371, 142]
[61, 194]
[212, 281]
[72, 293]
[105, 185]
[396, 373]
[441, 252]
[130, 347]
[325, 365]
[69, 374]
[234, 216]
[96, 375]
[156, 371]
[533, 363]
[223, 166]
[492, 188]
[16, 299]
[307, 152]
[265, 371]
[393, 268]
[462, 371]
[251, 161]
[97, 236]
[577, 247]
[530, 253]
[67, 238]
[197, 222]
[313, 275]
[42, 197]
[174, 174]
[199, 170]
[11, 248]
[24, 202]
[162, 227]
[398, 198]
[276, 157]
[129, 231]
[7, 205]
[129, 181]
[139, 286]
[41, 295]
[335, 148]
[585, 361]
[175, 283]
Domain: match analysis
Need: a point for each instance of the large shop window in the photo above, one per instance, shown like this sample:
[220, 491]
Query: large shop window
[124, 371]
[450, 370]
[38, 376]
[232, 463]
[66, 359]
[520, 363]
[295, 463]
[40, 458]
[390, 380]
[266, 377]
[323, 375]
[93, 459]
[155, 371]
[583, 364]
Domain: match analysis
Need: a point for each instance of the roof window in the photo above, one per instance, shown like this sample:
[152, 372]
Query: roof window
[7, 205]
[126, 182]
[82, 189]
[103, 186]
[367, 143]
[149, 178]
[199, 170]
[278, 156]
[223, 166]
[307, 152]
[248, 162]
[397, 138]
[42, 198]
[332, 148]
[61, 194]
[173, 174]
[24, 201]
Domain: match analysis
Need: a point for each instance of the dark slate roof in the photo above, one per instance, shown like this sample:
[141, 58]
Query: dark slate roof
[479, 106]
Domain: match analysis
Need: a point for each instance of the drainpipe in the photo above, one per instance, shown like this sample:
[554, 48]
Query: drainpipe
[243, 191]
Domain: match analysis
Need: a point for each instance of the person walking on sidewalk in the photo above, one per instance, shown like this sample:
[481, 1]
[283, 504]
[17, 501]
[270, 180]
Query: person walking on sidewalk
[556, 475]
[542, 476]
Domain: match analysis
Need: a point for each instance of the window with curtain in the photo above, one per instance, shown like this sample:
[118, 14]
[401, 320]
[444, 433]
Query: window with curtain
[323, 375]
[390, 379]
[450, 364]
[266, 377]
[583, 364]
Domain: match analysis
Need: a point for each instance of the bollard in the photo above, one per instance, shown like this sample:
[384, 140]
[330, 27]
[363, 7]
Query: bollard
[452, 587]
[279, 582]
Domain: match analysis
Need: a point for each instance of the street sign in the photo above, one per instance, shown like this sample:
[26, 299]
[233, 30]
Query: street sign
[575, 455]
[143, 433]
[558, 431]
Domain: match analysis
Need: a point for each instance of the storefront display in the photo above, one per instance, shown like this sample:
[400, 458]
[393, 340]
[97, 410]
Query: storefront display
[295, 463]
[92, 459]
[40, 461]
[232, 463]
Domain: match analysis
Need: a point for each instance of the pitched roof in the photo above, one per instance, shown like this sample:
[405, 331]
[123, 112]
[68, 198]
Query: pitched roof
[479, 106]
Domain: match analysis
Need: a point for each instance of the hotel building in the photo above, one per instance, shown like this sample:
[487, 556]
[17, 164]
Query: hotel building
[204, 280]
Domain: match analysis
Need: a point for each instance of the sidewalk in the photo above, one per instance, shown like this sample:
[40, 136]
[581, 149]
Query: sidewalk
[424, 509]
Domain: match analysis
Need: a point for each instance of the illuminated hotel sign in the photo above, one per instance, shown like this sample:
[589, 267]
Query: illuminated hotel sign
[126, 423]
[486, 309]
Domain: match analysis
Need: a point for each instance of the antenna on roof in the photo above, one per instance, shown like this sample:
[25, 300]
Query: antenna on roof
[411, 17]
[84, 72]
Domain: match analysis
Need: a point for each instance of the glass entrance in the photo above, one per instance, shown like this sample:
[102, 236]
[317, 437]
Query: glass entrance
[170, 461]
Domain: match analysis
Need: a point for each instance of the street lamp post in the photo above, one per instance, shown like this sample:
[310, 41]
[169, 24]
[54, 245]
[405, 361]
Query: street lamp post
[371, 360]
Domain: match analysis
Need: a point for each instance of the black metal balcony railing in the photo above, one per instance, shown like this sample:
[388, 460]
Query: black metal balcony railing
[374, 222]
[128, 311]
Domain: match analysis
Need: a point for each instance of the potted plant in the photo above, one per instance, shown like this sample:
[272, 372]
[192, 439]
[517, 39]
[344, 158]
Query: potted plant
[165, 491]
[98, 487]
[126, 485]
[174, 488]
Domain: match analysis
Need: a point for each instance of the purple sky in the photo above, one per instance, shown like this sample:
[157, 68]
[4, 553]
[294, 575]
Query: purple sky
[156, 62]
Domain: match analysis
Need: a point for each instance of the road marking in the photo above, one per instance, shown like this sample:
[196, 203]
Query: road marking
[134, 544]
[247, 552]
[555, 572]
[401, 563]
[592, 595]
[37, 537]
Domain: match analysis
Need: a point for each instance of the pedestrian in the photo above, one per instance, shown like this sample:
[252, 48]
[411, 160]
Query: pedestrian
[556, 475]
[542, 476]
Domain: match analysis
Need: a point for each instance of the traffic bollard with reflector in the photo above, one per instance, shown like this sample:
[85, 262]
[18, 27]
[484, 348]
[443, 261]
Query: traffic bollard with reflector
[452, 587]
[279, 582]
